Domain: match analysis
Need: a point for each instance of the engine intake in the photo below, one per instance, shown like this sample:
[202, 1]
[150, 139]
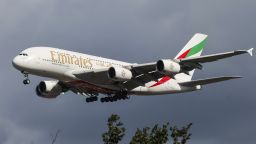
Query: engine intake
[48, 89]
[119, 74]
[168, 67]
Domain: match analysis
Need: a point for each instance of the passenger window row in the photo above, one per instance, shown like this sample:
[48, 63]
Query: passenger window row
[23, 54]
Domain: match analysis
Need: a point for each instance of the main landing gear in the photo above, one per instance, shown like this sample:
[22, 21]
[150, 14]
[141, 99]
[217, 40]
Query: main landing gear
[26, 81]
[91, 99]
[122, 95]
[113, 98]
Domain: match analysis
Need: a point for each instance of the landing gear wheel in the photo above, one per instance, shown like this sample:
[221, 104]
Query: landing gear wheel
[95, 98]
[115, 98]
[91, 99]
[87, 100]
[111, 99]
[26, 81]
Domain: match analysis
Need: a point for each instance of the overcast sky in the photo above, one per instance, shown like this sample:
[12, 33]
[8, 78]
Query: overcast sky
[134, 31]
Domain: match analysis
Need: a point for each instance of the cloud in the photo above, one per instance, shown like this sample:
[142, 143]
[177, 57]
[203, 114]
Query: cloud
[12, 133]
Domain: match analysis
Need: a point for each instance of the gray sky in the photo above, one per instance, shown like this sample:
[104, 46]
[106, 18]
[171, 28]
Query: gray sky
[134, 31]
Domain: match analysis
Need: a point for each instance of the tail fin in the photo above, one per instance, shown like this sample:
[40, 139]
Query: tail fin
[193, 48]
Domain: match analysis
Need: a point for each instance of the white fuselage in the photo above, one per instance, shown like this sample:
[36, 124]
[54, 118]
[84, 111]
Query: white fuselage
[59, 64]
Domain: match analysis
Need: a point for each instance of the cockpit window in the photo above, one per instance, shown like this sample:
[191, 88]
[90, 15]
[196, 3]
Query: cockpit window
[23, 54]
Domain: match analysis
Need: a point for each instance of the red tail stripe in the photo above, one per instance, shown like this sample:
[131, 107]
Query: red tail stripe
[184, 54]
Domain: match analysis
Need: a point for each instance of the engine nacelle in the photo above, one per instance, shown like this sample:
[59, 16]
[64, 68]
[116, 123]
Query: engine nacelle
[119, 74]
[48, 89]
[168, 66]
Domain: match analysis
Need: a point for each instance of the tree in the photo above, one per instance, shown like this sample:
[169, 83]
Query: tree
[115, 132]
[180, 136]
[157, 135]
[147, 135]
[141, 136]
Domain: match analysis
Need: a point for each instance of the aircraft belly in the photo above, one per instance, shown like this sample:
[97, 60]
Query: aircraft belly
[168, 87]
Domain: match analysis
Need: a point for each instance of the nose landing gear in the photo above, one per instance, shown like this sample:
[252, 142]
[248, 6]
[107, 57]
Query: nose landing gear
[26, 81]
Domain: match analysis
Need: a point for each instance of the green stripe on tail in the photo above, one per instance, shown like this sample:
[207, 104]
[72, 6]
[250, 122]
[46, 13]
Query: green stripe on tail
[197, 48]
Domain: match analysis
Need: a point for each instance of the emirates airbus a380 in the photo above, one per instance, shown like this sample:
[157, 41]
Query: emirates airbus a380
[90, 76]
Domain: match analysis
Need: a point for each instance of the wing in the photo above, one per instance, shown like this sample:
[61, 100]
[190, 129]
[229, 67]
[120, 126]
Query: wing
[85, 88]
[99, 76]
[207, 81]
[147, 72]
[142, 74]
[215, 57]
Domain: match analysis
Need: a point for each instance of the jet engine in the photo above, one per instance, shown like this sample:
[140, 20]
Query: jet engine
[168, 67]
[119, 74]
[48, 89]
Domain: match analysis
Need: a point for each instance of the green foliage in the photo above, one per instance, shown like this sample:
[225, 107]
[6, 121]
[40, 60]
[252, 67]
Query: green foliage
[157, 135]
[147, 135]
[180, 136]
[115, 132]
[141, 136]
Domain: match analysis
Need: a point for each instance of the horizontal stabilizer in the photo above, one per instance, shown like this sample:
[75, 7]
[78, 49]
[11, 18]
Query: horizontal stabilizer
[208, 81]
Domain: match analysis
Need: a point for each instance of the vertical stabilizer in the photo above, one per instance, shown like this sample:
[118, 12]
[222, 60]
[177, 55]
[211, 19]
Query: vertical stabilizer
[193, 48]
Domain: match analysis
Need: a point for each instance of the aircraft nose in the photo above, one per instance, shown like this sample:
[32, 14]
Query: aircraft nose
[16, 62]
